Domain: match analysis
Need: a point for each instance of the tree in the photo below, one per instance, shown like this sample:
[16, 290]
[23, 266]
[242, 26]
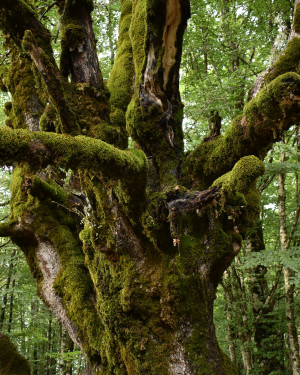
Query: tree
[128, 246]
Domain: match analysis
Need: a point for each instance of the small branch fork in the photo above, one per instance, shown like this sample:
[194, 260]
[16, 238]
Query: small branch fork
[193, 201]
[189, 201]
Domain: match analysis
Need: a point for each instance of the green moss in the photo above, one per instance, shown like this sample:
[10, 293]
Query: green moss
[214, 158]
[18, 194]
[296, 21]
[17, 17]
[267, 113]
[240, 194]
[264, 118]
[73, 36]
[7, 108]
[21, 84]
[120, 82]
[138, 37]
[143, 126]
[48, 190]
[49, 120]
[74, 152]
[288, 61]
[11, 362]
[242, 176]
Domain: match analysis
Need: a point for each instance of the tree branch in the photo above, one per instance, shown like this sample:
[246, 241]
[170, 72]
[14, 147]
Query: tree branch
[17, 16]
[40, 149]
[264, 118]
[53, 80]
[288, 61]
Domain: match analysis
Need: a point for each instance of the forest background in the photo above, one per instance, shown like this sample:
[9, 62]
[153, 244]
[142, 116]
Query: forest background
[228, 43]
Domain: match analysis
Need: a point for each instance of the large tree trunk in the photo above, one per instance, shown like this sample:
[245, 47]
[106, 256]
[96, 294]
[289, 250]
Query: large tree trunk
[129, 248]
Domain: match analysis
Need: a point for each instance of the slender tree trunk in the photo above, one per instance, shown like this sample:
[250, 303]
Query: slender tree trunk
[231, 334]
[11, 307]
[267, 336]
[49, 346]
[7, 286]
[66, 346]
[110, 28]
[244, 332]
[289, 286]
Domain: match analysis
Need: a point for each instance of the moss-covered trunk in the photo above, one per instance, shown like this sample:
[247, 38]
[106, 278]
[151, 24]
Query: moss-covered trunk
[128, 246]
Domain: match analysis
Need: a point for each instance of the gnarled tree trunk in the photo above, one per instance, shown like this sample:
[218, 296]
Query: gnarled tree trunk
[129, 247]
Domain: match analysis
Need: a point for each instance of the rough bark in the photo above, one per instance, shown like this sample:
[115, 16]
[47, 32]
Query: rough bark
[129, 247]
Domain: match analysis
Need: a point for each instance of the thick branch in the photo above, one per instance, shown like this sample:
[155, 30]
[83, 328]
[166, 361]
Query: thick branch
[122, 74]
[154, 115]
[17, 16]
[79, 54]
[288, 61]
[40, 149]
[265, 117]
[53, 80]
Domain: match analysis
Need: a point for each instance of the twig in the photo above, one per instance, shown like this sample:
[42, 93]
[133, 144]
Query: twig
[47, 10]
[6, 55]
[5, 217]
[4, 203]
[6, 243]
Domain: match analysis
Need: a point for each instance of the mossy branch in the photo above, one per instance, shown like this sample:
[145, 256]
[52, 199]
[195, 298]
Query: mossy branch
[122, 74]
[17, 16]
[53, 81]
[288, 60]
[78, 153]
[272, 111]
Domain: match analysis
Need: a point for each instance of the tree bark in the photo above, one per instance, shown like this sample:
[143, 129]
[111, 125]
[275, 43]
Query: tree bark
[7, 287]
